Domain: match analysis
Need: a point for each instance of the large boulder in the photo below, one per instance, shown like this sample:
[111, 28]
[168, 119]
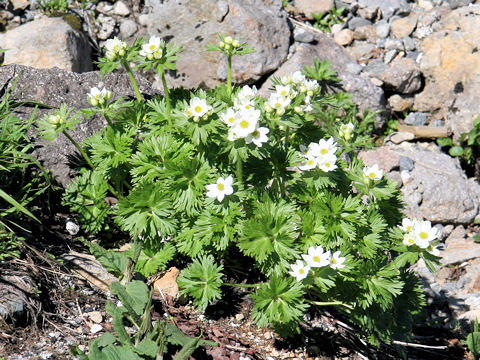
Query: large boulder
[54, 87]
[450, 66]
[46, 43]
[364, 93]
[196, 23]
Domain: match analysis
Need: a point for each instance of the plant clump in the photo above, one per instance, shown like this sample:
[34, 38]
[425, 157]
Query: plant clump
[211, 174]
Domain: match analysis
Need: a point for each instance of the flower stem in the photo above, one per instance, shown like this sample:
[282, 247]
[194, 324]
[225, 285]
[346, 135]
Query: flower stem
[167, 96]
[109, 122]
[239, 169]
[137, 246]
[132, 80]
[88, 160]
[329, 303]
[242, 285]
[229, 75]
[79, 148]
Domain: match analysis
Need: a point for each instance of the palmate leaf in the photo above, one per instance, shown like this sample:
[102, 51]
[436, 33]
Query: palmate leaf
[278, 302]
[148, 265]
[271, 232]
[86, 196]
[146, 211]
[201, 280]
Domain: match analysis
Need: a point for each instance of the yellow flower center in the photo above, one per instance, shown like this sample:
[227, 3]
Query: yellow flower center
[198, 109]
[231, 120]
[334, 261]
[372, 175]
[323, 151]
[310, 162]
[411, 241]
[327, 164]
[244, 124]
[255, 134]
[247, 106]
[316, 258]
[284, 93]
[220, 186]
[423, 235]
[301, 271]
[152, 47]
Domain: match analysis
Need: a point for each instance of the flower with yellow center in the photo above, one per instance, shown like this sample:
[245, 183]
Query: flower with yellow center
[153, 49]
[115, 47]
[197, 108]
[408, 224]
[221, 188]
[309, 164]
[299, 270]
[327, 147]
[316, 257]
[258, 136]
[229, 117]
[283, 90]
[327, 163]
[409, 239]
[424, 233]
[247, 121]
[336, 262]
[373, 173]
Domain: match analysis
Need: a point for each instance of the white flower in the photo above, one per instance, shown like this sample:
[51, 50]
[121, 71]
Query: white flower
[346, 131]
[336, 262]
[373, 172]
[229, 117]
[327, 147]
[316, 257]
[221, 188]
[299, 270]
[310, 86]
[407, 224]
[327, 163]
[258, 136]
[97, 96]
[310, 164]
[424, 233]
[198, 107]
[152, 49]
[434, 250]
[243, 104]
[247, 93]
[278, 102]
[297, 77]
[246, 122]
[312, 151]
[409, 239]
[115, 47]
[283, 90]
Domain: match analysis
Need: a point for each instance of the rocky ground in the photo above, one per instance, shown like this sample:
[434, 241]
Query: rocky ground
[413, 61]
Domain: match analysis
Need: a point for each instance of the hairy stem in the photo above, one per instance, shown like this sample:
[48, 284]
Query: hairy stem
[239, 169]
[132, 80]
[329, 303]
[242, 285]
[167, 96]
[138, 245]
[229, 75]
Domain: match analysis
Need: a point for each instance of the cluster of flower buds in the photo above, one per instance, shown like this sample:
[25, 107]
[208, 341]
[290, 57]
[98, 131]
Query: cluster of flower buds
[115, 48]
[346, 131]
[420, 233]
[319, 155]
[242, 119]
[316, 258]
[153, 50]
[198, 109]
[229, 43]
[97, 97]
[56, 120]
[299, 84]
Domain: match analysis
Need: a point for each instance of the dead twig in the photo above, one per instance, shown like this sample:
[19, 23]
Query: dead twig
[420, 345]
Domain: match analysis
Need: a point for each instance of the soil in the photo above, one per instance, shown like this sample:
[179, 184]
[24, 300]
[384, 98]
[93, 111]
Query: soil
[63, 310]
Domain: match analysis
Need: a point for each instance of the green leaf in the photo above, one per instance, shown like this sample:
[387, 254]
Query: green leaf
[113, 261]
[134, 296]
[456, 151]
[16, 205]
[201, 280]
[147, 347]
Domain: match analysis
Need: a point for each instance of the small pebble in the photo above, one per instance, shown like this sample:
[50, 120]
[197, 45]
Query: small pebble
[95, 328]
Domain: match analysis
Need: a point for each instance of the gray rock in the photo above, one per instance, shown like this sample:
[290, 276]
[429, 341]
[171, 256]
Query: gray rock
[14, 290]
[302, 35]
[403, 76]
[120, 9]
[364, 94]
[107, 26]
[394, 44]
[390, 55]
[458, 3]
[128, 28]
[369, 13]
[438, 189]
[382, 28]
[54, 87]
[408, 43]
[388, 7]
[416, 119]
[195, 24]
[63, 47]
[406, 164]
[357, 22]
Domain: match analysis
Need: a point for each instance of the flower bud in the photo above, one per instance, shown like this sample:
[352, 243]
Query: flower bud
[310, 93]
[221, 45]
[196, 119]
[280, 111]
[55, 120]
[228, 47]
[93, 101]
[235, 43]
[228, 40]
[205, 117]
[268, 108]
[150, 56]
[110, 55]
[121, 52]
[298, 110]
